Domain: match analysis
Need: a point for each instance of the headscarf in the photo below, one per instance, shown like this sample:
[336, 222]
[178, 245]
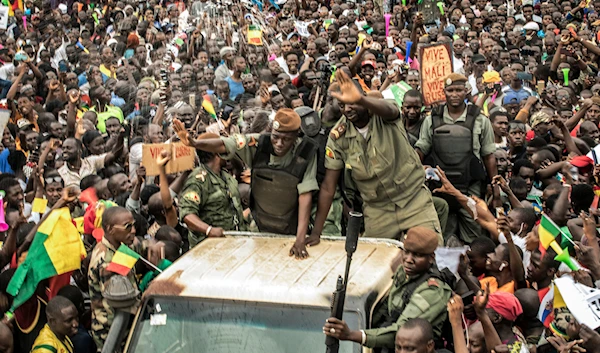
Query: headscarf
[505, 304]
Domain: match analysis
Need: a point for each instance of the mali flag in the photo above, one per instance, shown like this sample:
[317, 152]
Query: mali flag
[208, 106]
[123, 260]
[56, 249]
[548, 231]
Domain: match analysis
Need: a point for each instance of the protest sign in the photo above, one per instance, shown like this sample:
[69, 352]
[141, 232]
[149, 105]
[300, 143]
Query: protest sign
[436, 64]
[302, 28]
[3, 17]
[182, 157]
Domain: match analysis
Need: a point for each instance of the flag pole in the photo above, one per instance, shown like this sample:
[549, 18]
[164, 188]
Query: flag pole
[151, 264]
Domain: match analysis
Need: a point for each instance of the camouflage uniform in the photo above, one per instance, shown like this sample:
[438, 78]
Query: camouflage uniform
[102, 313]
[215, 199]
[428, 301]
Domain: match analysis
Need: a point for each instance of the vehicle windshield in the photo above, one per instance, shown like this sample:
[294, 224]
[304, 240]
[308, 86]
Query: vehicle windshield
[182, 325]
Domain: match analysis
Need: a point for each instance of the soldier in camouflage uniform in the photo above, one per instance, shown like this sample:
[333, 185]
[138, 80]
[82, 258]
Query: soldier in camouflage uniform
[210, 201]
[119, 227]
[419, 291]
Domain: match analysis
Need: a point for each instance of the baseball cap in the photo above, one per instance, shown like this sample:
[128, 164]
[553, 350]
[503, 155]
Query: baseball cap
[368, 63]
[511, 98]
[478, 59]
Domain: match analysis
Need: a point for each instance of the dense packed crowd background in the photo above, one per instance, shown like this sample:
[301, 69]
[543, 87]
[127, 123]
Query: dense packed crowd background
[295, 112]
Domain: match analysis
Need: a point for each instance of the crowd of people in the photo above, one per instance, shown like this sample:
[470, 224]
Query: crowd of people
[298, 112]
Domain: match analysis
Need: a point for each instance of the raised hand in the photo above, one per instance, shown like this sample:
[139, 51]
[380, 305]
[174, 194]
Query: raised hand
[163, 158]
[349, 93]
[182, 133]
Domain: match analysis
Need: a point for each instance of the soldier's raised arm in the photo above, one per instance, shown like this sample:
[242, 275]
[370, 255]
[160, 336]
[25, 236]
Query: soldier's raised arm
[214, 145]
[350, 94]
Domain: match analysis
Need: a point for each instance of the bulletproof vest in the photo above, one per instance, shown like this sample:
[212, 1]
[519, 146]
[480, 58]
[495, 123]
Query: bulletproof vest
[452, 148]
[274, 198]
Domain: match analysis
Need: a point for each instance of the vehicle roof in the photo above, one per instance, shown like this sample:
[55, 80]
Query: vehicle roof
[259, 269]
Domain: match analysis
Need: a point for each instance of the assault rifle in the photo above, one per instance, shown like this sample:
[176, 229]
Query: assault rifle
[339, 296]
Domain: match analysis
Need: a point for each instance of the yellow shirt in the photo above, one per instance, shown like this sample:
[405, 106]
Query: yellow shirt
[47, 342]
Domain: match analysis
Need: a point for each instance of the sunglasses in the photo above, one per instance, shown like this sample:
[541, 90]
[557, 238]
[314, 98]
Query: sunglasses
[56, 179]
[127, 226]
[245, 76]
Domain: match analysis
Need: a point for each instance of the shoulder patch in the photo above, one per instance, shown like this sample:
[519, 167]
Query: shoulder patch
[192, 196]
[338, 131]
[432, 283]
[329, 153]
[240, 141]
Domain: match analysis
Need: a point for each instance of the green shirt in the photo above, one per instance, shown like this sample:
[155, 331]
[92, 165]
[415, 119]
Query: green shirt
[384, 166]
[215, 199]
[111, 111]
[245, 146]
[483, 134]
[429, 302]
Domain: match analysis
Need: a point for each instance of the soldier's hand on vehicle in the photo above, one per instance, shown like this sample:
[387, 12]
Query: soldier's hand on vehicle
[299, 250]
[312, 240]
[216, 232]
[348, 93]
[337, 328]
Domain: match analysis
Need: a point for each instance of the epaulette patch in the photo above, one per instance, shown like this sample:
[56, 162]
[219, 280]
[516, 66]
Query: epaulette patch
[338, 132]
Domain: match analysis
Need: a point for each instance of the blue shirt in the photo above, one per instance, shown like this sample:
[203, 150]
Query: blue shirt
[235, 88]
[4, 166]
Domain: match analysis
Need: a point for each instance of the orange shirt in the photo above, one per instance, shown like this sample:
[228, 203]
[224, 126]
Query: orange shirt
[508, 287]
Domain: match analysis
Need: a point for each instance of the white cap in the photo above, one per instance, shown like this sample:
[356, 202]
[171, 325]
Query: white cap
[63, 8]
[531, 26]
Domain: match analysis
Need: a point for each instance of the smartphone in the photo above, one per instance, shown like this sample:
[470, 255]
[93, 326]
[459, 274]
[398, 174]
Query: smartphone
[468, 298]
[193, 100]
[390, 72]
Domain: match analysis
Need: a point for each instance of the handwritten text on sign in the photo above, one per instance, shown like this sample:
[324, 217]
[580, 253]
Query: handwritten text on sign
[436, 64]
[182, 157]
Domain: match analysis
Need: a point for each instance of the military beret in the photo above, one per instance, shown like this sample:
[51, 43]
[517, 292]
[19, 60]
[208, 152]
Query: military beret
[286, 120]
[208, 135]
[454, 78]
[421, 240]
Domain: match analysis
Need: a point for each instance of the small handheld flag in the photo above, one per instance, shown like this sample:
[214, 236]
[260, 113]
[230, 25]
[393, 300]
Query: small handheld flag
[208, 106]
[123, 260]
